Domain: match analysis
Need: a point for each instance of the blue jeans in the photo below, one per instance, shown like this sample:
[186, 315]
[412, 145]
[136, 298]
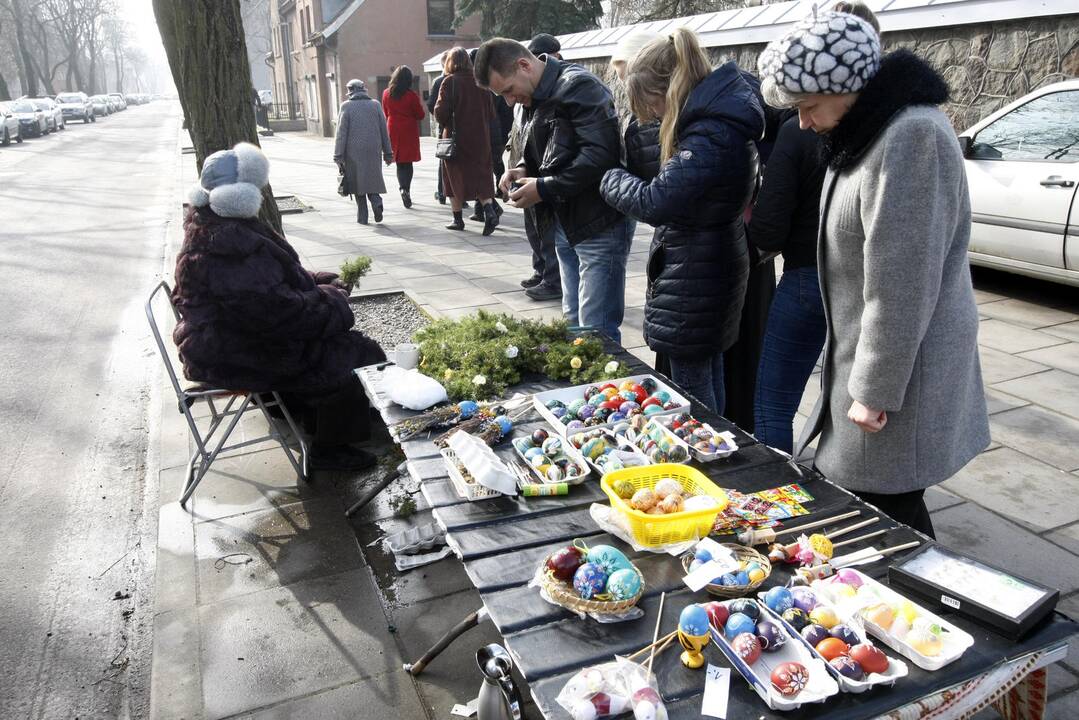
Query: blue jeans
[594, 278]
[702, 378]
[792, 343]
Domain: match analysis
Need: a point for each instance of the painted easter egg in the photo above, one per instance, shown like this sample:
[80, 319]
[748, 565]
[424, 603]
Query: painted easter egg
[823, 615]
[652, 410]
[649, 384]
[552, 446]
[770, 636]
[757, 575]
[797, 617]
[574, 426]
[703, 554]
[593, 448]
[623, 489]
[727, 579]
[504, 424]
[747, 647]
[846, 634]
[616, 417]
[667, 486]
[609, 558]
[814, 634]
[848, 667]
[575, 405]
[623, 584]
[737, 624]
[590, 391]
[625, 385]
[627, 395]
[553, 404]
[643, 500]
[679, 454]
[747, 607]
[650, 402]
[638, 392]
[717, 614]
[779, 599]
[671, 504]
[925, 641]
[804, 598]
[555, 474]
[532, 452]
[849, 576]
[657, 456]
[586, 412]
[790, 678]
[881, 615]
[693, 620]
[831, 647]
[539, 460]
[564, 563]
[589, 580]
[869, 657]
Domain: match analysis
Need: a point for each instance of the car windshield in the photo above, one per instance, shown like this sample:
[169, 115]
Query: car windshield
[69, 98]
[23, 107]
[115, 95]
[41, 104]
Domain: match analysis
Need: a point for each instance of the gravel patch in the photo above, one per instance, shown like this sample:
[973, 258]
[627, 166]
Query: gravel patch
[388, 319]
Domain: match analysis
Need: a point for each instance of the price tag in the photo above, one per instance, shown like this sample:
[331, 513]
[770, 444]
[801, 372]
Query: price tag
[717, 551]
[466, 710]
[717, 685]
[708, 572]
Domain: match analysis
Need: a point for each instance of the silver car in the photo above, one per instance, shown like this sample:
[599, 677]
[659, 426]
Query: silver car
[76, 106]
[9, 125]
[53, 113]
[101, 104]
[32, 122]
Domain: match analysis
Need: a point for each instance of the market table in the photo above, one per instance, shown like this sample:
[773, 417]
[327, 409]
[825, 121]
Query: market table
[502, 540]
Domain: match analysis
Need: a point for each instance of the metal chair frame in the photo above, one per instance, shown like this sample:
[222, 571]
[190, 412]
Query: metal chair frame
[207, 450]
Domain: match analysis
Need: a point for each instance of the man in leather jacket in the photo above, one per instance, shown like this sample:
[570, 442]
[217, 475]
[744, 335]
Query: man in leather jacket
[571, 140]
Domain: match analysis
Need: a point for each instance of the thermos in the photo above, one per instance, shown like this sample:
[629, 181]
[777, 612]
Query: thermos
[499, 698]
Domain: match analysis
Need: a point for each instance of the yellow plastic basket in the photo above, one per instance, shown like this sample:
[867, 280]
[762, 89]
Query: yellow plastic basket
[655, 530]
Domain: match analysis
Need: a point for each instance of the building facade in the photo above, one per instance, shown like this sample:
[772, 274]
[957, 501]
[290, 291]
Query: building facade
[317, 46]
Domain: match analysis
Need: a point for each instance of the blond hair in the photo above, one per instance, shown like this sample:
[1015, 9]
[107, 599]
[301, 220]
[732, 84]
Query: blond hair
[628, 47]
[668, 67]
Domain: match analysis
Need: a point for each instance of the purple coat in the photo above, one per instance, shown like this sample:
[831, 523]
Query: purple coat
[252, 318]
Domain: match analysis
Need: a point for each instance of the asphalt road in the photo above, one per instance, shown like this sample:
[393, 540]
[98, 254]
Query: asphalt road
[83, 219]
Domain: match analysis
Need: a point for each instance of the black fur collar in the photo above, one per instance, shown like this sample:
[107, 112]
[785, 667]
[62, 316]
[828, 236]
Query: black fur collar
[904, 79]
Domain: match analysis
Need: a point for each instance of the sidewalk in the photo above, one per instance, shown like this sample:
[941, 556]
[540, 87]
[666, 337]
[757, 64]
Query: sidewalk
[268, 607]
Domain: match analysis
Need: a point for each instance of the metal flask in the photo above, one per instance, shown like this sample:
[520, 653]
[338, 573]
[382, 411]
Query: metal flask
[499, 698]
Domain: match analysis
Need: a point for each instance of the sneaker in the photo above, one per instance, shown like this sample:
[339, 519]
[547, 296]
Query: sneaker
[340, 458]
[531, 282]
[543, 291]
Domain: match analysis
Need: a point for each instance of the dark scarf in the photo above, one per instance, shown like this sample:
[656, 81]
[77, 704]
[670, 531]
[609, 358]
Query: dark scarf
[904, 79]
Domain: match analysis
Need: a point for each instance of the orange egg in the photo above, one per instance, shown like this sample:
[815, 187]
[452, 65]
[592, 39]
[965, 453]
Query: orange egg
[830, 648]
[881, 615]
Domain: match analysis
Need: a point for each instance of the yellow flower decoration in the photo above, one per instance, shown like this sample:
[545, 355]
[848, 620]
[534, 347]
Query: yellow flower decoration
[575, 362]
[578, 341]
[448, 374]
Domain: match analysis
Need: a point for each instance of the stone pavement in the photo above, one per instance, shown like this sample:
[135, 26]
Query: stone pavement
[268, 607]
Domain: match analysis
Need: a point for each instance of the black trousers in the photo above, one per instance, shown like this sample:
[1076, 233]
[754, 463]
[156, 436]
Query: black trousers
[908, 508]
[544, 258]
[741, 360]
[361, 205]
[404, 176]
[337, 418]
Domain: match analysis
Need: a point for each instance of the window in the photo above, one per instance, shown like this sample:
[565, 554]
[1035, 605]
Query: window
[440, 17]
[1044, 129]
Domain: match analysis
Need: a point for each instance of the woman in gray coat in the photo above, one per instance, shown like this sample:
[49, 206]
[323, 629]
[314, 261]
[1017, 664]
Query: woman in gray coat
[361, 136]
[902, 406]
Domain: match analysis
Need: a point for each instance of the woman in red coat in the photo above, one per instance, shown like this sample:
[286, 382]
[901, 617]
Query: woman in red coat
[403, 114]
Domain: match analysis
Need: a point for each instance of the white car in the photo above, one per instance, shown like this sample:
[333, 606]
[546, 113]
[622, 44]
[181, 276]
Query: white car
[76, 105]
[1023, 170]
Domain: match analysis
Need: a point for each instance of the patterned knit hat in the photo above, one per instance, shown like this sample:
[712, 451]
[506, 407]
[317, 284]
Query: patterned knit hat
[828, 52]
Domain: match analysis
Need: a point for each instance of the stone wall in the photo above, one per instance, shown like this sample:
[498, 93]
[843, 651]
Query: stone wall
[987, 65]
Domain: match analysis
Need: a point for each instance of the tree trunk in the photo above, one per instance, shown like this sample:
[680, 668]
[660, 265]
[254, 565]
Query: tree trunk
[204, 42]
[30, 88]
[5, 93]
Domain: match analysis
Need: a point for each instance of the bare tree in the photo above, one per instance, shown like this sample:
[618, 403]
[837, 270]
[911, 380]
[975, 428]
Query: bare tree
[115, 32]
[28, 75]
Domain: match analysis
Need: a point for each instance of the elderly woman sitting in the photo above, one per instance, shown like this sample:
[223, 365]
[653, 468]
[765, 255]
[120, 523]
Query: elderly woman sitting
[253, 319]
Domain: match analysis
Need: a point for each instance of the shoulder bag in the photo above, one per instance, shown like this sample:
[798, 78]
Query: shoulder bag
[446, 148]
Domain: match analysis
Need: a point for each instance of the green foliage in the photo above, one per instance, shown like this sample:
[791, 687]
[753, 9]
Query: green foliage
[522, 19]
[354, 268]
[456, 352]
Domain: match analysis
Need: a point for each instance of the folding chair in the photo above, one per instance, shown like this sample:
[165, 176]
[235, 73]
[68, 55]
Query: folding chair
[238, 402]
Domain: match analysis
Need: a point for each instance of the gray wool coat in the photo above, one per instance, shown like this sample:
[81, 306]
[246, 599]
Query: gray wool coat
[363, 142]
[902, 321]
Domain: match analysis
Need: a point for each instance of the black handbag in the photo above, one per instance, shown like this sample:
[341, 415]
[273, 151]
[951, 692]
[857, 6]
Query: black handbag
[342, 184]
[446, 148]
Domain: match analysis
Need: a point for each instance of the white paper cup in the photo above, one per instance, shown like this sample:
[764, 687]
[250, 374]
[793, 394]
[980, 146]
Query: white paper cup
[407, 355]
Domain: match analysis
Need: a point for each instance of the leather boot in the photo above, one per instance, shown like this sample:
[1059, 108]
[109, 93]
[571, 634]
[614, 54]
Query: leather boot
[490, 218]
[458, 222]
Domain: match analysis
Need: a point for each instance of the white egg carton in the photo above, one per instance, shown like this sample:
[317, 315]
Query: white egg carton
[955, 640]
[575, 392]
[728, 440]
[571, 452]
[621, 444]
[896, 668]
[820, 687]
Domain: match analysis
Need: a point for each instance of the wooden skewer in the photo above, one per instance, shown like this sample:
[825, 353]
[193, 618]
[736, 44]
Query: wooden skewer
[759, 536]
[859, 539]
[655, 634]
[870, 552]
[669, 636]
[793, 547]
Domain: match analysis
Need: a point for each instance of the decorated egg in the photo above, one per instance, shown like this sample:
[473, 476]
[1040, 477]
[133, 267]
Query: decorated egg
[770, 636]
[881, 615]
[597, 400]
[638, 392]
[643, 500]
[627, 395]
[849, 576]
[575, 405]
[804, 598]
[504, 424]
[555, 404]
[657, 456]
[555, 474]
[790, 678]
[797, 617]
[748, 647]
[779, 599]
[746, 607]
[846, 634]
[667, 486]
[467, 408]
[628, 406]
[741, 577]
[925, 641]
[842, 591]
[590, 391]
[589, 580]
[678, 454]
[564, 563]
[671, 504]
[727, 579]
[717, 614]
[757, 575]
[814, 634]
[831, 647]
[539, 460]
[532, 452]
[578, 439]
[625, 385]
[623, 584]
[609, 558]
[574, 425]
[848, 667]
[704, 446]
[737, 624]
[823, 615]
[703, 554]
[650, 410]
[593, 448]
[870, 658]
[616, 417]
[694, 564]
[601, 414]
[623, 488]
[611, 405]
[552, 446]
[649, 384]
[586, 412]
[523, 445]
[693, 620]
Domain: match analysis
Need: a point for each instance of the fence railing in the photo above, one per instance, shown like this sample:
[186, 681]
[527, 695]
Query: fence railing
[284, 111]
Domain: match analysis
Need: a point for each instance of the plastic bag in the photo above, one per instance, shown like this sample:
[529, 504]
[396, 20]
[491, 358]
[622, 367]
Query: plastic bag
[611, 689]
[412, 389]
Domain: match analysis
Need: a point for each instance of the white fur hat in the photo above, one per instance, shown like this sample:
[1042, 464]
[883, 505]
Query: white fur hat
[231, 182]
[829, 53]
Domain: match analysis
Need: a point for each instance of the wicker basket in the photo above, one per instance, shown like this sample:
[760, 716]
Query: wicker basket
[562, 593]
[744, 554]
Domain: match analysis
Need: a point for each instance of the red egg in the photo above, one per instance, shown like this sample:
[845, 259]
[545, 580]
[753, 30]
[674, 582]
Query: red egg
[612, 405]
[870, 658]
[564, 563]
[604, 386]
[830, 648]
[790, 678]
[639, 391]
[717, 614]
[650, 401]
[748, 647]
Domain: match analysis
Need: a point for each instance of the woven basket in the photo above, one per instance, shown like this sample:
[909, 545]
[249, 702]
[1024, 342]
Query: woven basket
[562, 593]
[744, 554]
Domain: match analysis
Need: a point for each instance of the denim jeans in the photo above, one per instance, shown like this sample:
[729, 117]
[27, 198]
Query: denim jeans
[361, 205]
[792, 343]
[594, 278]
[702, 378]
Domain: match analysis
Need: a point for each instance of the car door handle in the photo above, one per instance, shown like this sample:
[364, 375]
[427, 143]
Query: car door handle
[1056, 180]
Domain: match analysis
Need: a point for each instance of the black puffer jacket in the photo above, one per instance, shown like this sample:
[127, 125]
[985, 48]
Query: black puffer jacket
[698, 263]
[571, 139]
[642, 148]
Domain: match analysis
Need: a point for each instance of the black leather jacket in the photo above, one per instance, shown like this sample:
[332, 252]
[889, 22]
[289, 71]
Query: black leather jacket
[571, 139]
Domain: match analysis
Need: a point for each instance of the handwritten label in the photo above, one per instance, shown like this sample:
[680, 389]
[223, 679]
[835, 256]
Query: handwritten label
[717, 551]
[717, 685]
[708, 572]
[949, 601]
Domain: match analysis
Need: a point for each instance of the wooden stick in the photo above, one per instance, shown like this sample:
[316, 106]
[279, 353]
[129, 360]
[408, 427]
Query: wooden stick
[859, 539]
[818, 523]
[851, 528]
[655, 634]
[650, 646]
[870, 552]
[762, 536]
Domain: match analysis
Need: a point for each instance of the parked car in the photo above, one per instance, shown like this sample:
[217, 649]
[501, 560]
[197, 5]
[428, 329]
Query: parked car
[32, 121]
[121, 101]
[9, 125]
[53, 113]
[101, 105]
[76, 106]
[1023, 169]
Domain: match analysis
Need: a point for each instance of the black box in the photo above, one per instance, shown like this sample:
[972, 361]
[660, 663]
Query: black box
[1006, 603]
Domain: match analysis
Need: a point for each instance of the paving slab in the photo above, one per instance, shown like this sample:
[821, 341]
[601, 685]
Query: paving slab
[984, 296]
[1067, 331]
[255, 481]
[1025, 313]
[175, 576]
[1067, 537]
[937, 498]
[1051, 437]
[1063, 357]
[1009, 338]
[1070, 607]
[1054, 389]
[175, 677]
[997, 401]
[1018, 487]
[999, 366]
[517, 301]
[278, 644]
[385, 696]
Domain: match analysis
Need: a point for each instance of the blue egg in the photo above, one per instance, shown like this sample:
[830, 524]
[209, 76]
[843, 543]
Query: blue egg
[693, 620]
[779, 599]
[467, 408]
[623, 584]
[727, 579]
[738, 624]
[558, 411]
[533, 452]
[702, 554]
[694, 564]
[609, 558]
[504, 424]
[616, 417]
[589, 580]
[586, 412]
[741, 578]
[662, 395]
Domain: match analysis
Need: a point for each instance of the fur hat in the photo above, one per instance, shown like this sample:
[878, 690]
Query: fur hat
[231, 182]
[830, 53]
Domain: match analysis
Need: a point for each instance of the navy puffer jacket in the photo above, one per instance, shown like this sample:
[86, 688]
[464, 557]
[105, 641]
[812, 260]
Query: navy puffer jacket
[698, 263]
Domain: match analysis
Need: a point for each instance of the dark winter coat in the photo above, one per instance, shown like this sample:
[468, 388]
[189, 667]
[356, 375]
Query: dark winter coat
[641, 144]
[467, 109]
[698, 263]
[571, 139]
[787, 212]
[252, 318]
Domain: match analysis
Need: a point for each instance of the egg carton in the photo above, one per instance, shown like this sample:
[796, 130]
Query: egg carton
[621, 444]
[568, 450]
[466, 487]
[727, 436]
[575, 392]
[636, 438]
[415, 539]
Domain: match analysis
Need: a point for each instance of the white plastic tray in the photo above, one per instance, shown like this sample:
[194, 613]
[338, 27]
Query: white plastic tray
[666, 420]
[469, 490]
[570, 394]
[619, 442]
[572, 452]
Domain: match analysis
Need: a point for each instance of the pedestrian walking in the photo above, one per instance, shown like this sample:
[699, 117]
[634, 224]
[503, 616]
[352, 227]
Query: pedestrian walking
[362, 137]
[698, 263]
[902, 405]
[403, 114]
[498, 149]
[571, 139]
[432, 97]
[252, 318]
[464, 113]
